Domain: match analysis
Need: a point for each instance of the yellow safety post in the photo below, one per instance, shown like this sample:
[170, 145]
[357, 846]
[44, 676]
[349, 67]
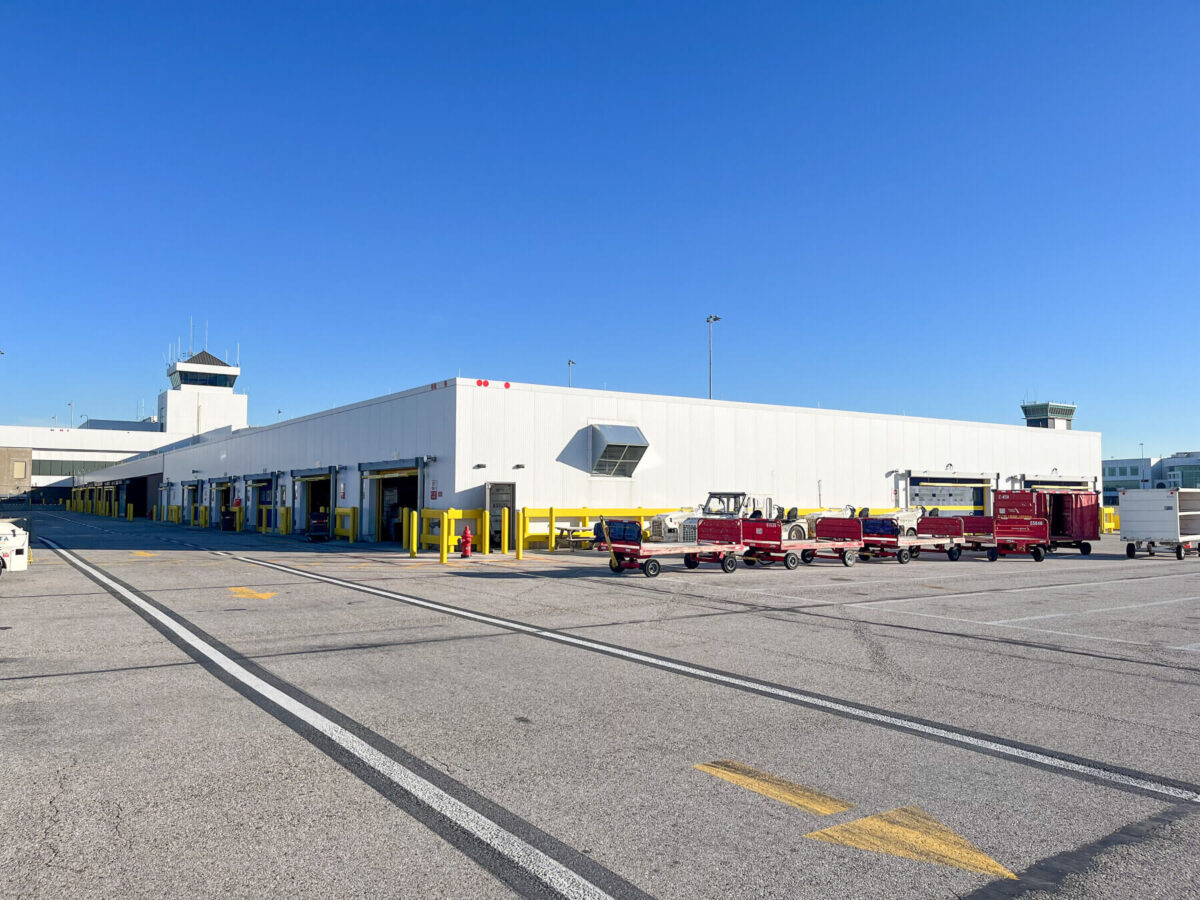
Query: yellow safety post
[550, 533]
[504, 530]
[520, 534]
[444, 543]
[404, 532]
[129, 511]
[485, 532]
[411, 532]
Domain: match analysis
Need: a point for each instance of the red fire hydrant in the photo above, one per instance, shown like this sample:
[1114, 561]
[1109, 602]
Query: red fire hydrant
[466, 542]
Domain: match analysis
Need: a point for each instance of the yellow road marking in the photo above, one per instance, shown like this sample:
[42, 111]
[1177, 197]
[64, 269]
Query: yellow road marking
[914, 834]
[776, 788]
[143, 553]
[247, 594]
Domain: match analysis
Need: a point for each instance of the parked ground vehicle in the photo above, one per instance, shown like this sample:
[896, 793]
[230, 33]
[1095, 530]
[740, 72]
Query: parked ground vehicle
[995, 536]
[836, 538]
[883, 539]
[906, 519]
[681, 524]
[719, 541]
[14, 547]
[1074, 516]
[1153, 519]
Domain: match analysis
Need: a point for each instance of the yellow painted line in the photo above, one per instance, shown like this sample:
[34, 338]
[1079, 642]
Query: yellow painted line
[776, 788]
[247, 594]
[912, 833]
[143, 553]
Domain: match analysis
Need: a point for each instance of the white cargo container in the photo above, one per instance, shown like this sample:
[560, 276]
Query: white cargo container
[1160, 518]
[14, 548]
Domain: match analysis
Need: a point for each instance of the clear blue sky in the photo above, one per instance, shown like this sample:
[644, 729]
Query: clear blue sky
[931, 208]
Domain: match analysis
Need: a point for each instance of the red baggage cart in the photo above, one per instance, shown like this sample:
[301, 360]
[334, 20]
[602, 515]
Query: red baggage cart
[887, 542]
[834, 539]
[718, 541]
[1074, 515]
[1001, 535]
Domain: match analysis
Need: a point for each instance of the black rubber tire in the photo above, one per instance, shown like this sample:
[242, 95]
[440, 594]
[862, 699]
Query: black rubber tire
[615, 565]
[1085, 549]
[903, 556]
[691, 560]
[1131, 550]
[1180, 552]
[864, 557]
[914, 552]
[651, 568]
[849, 558]
[993, 554]
[790, 560]
[748, 560]
[729, 563]
[1053, 548]
[796, 533]
[1038, 554]
[954, 553]
[807, 556]
[912, 532]
[1150, 551]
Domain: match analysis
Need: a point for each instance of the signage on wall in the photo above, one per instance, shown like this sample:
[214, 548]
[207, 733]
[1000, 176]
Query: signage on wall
[341, 490]
[433, 491]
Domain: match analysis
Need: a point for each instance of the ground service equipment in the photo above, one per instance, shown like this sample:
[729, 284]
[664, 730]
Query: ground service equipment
[836, 538]
[1074, 516]
[719, 541]
[995, 536]
[1169, 518]
[882, 539]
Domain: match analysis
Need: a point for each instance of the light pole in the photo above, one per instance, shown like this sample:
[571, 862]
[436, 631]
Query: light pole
[570, 363]
[1141, 460]
[710, 321]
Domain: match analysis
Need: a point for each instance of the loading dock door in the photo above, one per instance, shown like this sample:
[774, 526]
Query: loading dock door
[318, 497]
[395, 491]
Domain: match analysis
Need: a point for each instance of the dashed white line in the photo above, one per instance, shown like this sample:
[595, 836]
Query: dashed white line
[1088, 612]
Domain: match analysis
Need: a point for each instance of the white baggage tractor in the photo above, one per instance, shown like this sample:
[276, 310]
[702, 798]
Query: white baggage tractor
[14, 548]
[1161, 519]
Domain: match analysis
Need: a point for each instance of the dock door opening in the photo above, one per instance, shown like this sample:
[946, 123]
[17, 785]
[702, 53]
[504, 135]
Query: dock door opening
[951, 495]
[394, 492]
[317, 497]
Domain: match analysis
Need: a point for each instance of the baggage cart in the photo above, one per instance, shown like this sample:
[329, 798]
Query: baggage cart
[882, 539]
[718, 541]
[995, 536]
[1161, 519]
[1074, 515]
[839, 539]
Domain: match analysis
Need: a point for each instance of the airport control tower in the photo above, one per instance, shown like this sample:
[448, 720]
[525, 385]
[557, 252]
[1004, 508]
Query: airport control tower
[201, 396]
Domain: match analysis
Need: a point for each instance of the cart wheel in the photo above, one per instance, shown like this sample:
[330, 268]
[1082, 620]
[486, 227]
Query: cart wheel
[1179, 551]
[912, 532]
[863, 557]
[790, 560]
[807, 556]
[903, 556]
[993, 554]
[748, 560]
[1150, 551]
[651, 568]
[849, 557]
[796, 533]
[1085, 549]
[914, 552]
[1131, 550]
[953, 554]
[615, 565]
[1038, 554]
[729, 563]
[691, 560]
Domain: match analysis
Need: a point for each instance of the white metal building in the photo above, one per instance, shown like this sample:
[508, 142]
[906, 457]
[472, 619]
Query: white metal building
[467, 443]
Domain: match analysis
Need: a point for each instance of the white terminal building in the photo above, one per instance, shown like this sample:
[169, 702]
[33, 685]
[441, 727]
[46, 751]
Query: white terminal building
[469, 444]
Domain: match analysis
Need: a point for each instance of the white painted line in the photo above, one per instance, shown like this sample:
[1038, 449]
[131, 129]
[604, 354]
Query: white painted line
[546, 870]
[943, 733]
[1088, 612]
[1089, 637]
[1191, 648]
[1016, 590]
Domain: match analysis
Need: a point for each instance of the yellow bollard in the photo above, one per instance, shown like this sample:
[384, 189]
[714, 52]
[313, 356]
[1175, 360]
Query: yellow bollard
[504, 530]
[129, 511]
[485, 533]
[410, 530]
[443, 538]
[405, 533]
[520, 534]
[550, 532]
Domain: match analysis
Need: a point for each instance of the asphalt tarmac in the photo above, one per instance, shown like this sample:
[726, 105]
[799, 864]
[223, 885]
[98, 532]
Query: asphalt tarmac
[191, 713]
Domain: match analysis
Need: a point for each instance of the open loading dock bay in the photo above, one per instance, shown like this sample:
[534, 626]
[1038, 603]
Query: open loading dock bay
[189, 712]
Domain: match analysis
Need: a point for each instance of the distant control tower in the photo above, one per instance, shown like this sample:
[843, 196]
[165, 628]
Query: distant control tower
[1049, 415]
[201, 397]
